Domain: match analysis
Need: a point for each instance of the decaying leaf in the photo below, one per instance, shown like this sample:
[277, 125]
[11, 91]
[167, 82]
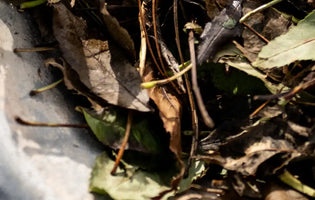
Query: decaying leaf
[296, 45]
[246, 151]
[133, 183]
[101, 67]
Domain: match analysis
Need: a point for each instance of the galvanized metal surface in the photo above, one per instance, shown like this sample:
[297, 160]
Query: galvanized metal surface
[37, 163]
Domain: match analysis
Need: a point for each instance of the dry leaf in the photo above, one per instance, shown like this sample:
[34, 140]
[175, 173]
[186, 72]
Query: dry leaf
[170, 111]
[102, 69]
[247, 151]
[119, 34]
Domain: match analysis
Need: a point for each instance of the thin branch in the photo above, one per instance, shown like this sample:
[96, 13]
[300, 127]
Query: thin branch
[124, 143]
[156, 35]
[142, 23]
[255, 32]
[35, 49]
[204, 113]
[259, 109]
[41, 124]
[47, 87]
[194, 117]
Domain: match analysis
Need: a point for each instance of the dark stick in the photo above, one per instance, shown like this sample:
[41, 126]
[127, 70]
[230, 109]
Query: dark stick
[204, 113]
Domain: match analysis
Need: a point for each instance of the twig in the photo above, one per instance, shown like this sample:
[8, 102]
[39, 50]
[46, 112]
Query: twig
[48, 87]
[142, 23]
[204, 113]
[194, 117]
[254, 31]
[156, 36]
[123, 144]
[41, 124]
[260, 8]
[259, 109]
[299, 88]
[35, 49]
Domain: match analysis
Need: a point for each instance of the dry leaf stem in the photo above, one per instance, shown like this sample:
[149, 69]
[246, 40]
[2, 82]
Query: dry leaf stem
[194, 117]
[124, 143]
[47, 87]
[31, 4]
[35, 49]
[259, 109]
[255, 32]
[204, 113]
[156, 35]
[142, 23]
[32, 123]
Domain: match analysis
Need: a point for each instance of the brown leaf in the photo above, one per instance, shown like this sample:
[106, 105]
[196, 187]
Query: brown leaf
[170, 111]
[212, 9]
[248, 150]
[101, 67]
[119, 34]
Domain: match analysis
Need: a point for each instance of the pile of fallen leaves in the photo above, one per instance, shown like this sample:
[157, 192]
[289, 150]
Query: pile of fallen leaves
[244, 130]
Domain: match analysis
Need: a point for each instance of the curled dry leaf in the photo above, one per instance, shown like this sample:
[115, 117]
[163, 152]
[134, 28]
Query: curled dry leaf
[101, 67]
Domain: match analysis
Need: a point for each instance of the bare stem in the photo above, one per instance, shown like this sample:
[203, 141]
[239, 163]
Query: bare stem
[41, 124]
[123, 144]
[35, 49]
[48, 87]
[204, 113]
[31, 4]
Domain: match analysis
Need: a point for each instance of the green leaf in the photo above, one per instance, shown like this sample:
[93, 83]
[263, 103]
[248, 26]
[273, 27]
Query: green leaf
[196, 170]
[234, 81]
[297, 44]
[133, 183]
[109, 128]
[243, 65]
